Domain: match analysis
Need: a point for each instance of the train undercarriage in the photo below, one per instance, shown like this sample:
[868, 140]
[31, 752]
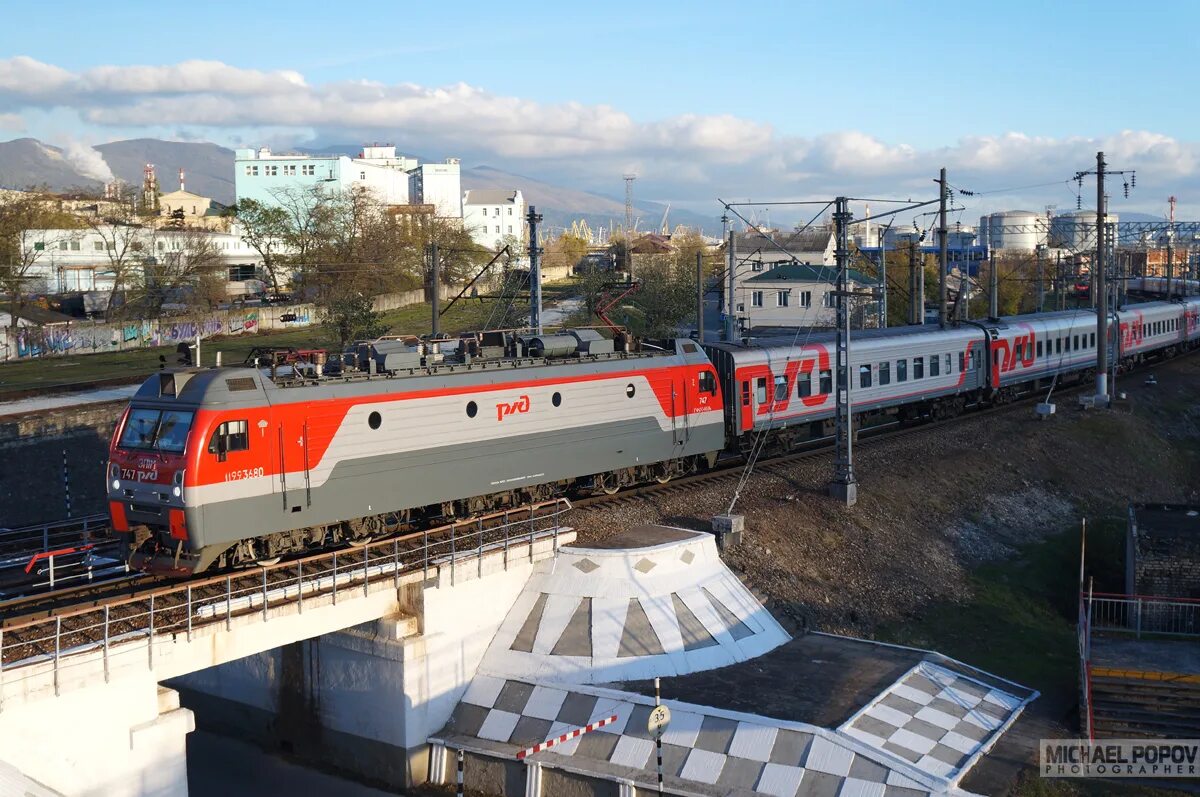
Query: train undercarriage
[148, 551]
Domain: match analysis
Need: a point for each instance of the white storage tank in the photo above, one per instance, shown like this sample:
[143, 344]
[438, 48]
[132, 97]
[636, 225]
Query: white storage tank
[1076, 230]
[899, 235]
[1020, 230]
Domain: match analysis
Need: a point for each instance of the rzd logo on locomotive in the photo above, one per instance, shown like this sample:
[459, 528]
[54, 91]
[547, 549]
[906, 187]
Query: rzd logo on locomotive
[521, 405]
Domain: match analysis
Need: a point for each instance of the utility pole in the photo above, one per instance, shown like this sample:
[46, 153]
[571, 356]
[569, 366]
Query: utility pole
[700, 297]
[1101, 287]
[1099, 267]
[1041, 291]
[844, 487]
[730, 319]
[535, 271]
[942, 247]
[629, 178]
[435, 277]
[993, 288]
[883, 319]
[1059, 299]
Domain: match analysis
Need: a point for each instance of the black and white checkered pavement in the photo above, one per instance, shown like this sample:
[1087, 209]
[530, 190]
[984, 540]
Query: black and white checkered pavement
[720, 752]
[934, 718]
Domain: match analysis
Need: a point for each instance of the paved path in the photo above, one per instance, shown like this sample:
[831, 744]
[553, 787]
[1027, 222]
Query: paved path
[58, 401]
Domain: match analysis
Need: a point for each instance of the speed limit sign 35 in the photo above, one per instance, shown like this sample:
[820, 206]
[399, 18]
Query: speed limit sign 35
[659, 719]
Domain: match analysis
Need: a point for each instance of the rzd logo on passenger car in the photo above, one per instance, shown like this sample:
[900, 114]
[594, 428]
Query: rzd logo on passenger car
[521, 405]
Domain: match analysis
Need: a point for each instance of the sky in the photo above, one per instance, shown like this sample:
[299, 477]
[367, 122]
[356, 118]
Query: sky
[702, 100]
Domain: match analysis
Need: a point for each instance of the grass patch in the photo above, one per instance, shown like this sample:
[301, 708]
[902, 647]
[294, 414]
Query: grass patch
[79, 371]
[1019, 621]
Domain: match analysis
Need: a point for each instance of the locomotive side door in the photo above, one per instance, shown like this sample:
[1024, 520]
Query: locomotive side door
[293, 463]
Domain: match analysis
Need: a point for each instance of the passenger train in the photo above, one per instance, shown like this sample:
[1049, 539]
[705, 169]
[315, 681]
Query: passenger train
[218, 467]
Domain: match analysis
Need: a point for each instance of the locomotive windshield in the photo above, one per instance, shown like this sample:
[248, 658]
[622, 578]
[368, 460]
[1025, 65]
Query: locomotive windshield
[156, 430]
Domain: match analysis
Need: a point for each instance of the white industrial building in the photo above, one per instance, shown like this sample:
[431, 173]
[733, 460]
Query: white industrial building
[81, 260]
[793, 295]
[265, 177]
[491, 215]
[439, 185]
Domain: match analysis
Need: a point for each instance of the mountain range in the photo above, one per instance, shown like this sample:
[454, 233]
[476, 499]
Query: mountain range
[208, 170]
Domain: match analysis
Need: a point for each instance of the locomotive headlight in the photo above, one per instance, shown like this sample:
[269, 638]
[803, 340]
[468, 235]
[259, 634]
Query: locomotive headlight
[116, 484]
[177, 492]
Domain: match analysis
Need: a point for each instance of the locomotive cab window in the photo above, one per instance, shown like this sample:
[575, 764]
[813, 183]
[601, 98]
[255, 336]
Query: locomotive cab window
[708, 383]
[229, 436]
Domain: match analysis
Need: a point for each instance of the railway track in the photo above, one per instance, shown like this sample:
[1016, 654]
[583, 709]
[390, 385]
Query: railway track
[97, 594]
[36, 627]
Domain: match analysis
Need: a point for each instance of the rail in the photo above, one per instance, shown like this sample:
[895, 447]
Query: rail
[1142, 614]
[180, 609]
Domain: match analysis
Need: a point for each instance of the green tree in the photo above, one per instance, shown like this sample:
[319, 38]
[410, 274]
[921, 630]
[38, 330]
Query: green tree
[265, 229]
[350, 315]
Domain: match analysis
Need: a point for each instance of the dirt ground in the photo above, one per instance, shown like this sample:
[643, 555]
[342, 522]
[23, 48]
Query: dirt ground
[955, 529]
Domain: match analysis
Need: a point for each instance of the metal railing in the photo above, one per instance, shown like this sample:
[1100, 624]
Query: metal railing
[179, 610]
[1143, 614]
[42, 537]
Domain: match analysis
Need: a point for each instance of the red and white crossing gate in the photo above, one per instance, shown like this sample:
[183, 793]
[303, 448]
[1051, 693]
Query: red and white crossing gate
[546, 745]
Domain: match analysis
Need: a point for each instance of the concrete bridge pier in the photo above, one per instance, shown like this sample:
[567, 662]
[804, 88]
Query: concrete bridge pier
[364, 700]
[125, 739]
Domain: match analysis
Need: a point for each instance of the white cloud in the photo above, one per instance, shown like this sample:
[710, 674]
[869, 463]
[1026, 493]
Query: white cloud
[687, 155]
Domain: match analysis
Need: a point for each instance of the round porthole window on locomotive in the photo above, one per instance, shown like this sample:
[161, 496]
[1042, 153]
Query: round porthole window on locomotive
[630, 390]
[374, 420]
[556, 399]
[472, 408]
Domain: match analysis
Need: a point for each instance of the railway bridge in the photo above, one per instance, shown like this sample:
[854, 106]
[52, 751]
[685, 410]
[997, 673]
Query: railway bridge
[90, 689]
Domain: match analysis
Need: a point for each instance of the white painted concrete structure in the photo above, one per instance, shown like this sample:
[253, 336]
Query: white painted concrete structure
[100, 724]
[599, 615]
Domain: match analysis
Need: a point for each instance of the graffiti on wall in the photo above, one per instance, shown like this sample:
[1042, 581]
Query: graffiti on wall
[89, 338]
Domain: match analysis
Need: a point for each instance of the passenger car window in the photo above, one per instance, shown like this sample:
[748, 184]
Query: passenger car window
[781, 388]
[826, 382]
[864, 376]
[935, 363]
[885, 373]
[901, 370]
[760, 390]
[918, 367]
[804, 385]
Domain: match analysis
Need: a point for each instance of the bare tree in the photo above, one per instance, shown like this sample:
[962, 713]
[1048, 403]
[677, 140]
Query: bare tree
[190, 272]
[30, 227]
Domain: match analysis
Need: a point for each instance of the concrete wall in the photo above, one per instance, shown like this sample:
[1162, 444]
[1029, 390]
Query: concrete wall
[87, 337]
[365, 700]
[128, 739]
[1166, 565]
[32, 484]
